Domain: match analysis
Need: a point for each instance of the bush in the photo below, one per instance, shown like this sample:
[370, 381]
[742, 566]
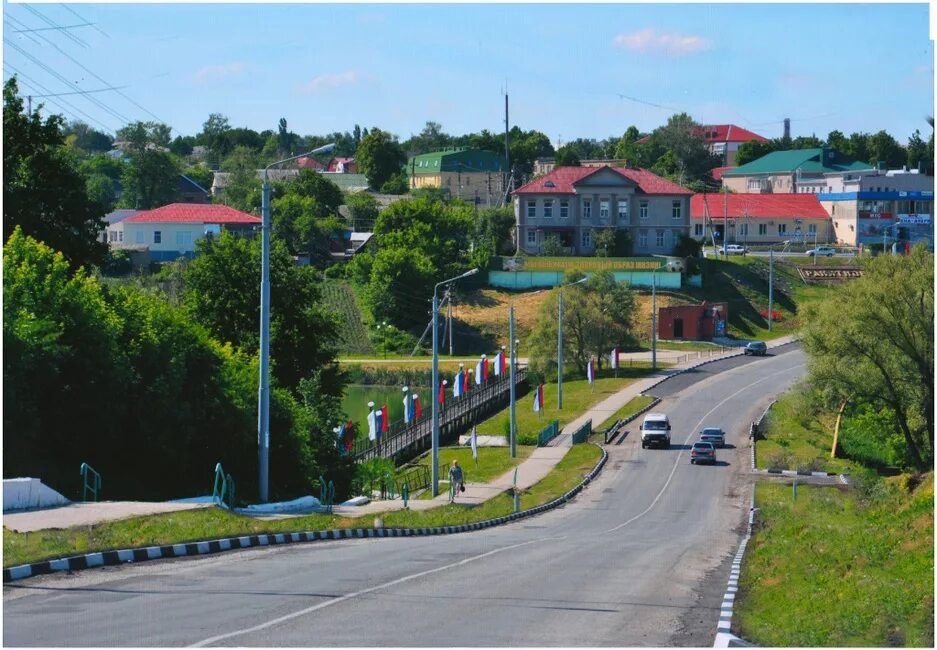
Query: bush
[117, 263]
[336, 271]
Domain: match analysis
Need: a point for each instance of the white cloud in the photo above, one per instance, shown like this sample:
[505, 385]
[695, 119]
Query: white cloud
[671, 43]
[331, 80]
[218, 72]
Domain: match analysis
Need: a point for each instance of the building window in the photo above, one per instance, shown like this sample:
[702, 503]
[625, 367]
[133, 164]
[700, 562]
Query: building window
[660, 238]
[532, 237]
[587, 238]
[698, 230]
[587, 209]
[548, 209]
[812, 229]
[675, 209]
[157, 237]
[782, 228]
[642, 210]
[120, 235]
[623, 210]
[762, 229]
[112, 235]
[531, 209]
[642, 239]
[564, 209]
[743, 229]
[184, 238]
[603, 210]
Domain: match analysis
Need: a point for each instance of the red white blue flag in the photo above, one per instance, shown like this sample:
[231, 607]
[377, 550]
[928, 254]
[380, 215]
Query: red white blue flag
[538, 399]
[417, 410]
[614, 358]
[385, 420]
[590, 370]
[442, 391]
[458, 384]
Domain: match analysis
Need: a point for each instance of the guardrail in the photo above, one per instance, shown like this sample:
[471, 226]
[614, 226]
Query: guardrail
[458, 413]
[582, 433]
[224, 487]
[94, 486]
[549, 433]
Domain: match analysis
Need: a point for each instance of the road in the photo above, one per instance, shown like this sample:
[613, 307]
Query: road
[639, 558]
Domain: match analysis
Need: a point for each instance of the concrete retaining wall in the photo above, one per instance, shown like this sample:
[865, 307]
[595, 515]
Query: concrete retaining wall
[23, 493]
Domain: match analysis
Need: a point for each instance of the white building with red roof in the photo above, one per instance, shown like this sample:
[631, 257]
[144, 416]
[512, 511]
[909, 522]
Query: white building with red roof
[572, 203]
[758, 219]
[171, 231]
[724, 140]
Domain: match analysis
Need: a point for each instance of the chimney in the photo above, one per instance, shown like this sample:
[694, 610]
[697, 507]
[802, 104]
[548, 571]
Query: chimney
[787, 128]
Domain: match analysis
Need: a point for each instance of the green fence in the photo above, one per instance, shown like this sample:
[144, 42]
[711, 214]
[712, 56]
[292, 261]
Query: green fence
[549, 433]
[529, 279]
[581, 263]
[582, 433]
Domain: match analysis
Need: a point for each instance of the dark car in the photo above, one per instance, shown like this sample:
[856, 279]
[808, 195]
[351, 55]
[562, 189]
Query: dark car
[756, 348]
[703, 452]
[715, 435]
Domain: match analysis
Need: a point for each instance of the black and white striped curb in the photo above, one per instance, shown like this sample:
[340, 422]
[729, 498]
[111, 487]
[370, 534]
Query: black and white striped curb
[111, 558]
[724, 636]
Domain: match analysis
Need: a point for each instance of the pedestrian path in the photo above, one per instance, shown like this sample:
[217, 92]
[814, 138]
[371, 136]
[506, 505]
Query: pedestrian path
[529, 472]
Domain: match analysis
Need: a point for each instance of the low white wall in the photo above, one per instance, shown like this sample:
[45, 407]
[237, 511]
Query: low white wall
[22, 493]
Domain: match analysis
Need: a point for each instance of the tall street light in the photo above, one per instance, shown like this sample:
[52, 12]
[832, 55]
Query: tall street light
[436, 375]
[654, 314]
[559, 347]
[263, 396]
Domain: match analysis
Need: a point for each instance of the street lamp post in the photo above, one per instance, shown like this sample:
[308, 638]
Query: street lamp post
[263, 396]
[435, 435]
[514, 343]
[559, 346]
[654, 315]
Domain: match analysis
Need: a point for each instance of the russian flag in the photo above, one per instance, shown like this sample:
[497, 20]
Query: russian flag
[614, 358]
[385, 419]
[442, 391]
[481, 370]
[417, 411]
[538, 399]
[590, 370]
[406, 405]
[458, 384]
[499, 363]
[374, 423]
[468, 381]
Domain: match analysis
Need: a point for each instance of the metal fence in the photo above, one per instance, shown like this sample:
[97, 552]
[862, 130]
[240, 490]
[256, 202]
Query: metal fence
[582, 433]
[548, 434]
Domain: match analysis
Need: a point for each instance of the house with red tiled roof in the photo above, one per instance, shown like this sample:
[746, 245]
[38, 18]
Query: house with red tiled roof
[724, 140]
[754, 219]
[171, 231]
[572, 203]
[342, 166]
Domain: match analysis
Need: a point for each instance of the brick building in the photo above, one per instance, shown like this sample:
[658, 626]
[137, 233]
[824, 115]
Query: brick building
[701, 322]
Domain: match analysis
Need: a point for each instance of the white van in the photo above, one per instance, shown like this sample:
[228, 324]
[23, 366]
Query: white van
[655, 430]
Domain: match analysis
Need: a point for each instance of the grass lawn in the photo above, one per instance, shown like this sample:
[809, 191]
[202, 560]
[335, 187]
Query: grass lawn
[212, 523]
[577, 398]
[492, 463]
[632, 407]
[840, 567]
[798, 439]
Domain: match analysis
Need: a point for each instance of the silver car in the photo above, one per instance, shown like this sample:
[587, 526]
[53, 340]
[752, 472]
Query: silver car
[715, 435]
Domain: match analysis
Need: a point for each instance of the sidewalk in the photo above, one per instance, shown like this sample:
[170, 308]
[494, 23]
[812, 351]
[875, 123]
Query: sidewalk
[540, 463]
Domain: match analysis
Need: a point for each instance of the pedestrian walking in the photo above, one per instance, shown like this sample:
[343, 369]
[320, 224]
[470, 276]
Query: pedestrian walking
[455, 479]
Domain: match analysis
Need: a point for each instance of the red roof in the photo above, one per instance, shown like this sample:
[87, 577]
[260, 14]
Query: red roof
[194, 213]
[720, 133]
[757, 206]
[718, 172]
[564, 179]
[310, 163]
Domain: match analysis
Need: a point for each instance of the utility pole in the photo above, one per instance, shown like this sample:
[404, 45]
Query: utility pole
[771, 285]
[449, 298]
[725, 221]
[513, 402]
[559, 356]
[507, 149]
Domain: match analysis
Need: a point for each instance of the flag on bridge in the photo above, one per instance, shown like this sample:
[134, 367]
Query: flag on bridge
[374, 422]
[538, 399]
[349, 436]
[481, 370]
[407, 407]
[442, 392]
[500, 363]
[590, 370]
[614, 358]
[458, 384]
[468, 381]
[385, 420]
[417, 410]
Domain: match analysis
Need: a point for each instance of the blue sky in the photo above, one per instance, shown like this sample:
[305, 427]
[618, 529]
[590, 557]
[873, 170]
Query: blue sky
[571, 70]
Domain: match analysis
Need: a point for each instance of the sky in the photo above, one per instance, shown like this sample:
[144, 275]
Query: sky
[571, 70]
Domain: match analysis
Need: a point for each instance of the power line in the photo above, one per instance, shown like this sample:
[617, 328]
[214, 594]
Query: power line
[80, 17]
[46, 29]
[34, 84]
[79, 92]
[26, 33]
[50, 22]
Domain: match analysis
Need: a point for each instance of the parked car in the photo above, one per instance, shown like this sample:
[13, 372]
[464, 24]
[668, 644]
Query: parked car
[756, 348]
[715, 435]
[734, 249]
[828, 251]
[703, 452]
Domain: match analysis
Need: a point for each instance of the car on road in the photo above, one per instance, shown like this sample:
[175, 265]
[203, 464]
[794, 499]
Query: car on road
[734, 249]
[715, 435]
[756, 349]
[703, 452]
[828, 251]
[655, 430]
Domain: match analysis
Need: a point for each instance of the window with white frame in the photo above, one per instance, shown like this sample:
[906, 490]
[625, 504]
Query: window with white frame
[782, 228]
[660, 239]
[112, 235]
[531, 209]
[623, 209]
[812, 229]
[586, 209]
[642, 239]
[698, 230]
[642, 210]
[548, 209]
[564, 209]
[743, 229]
[120, 235]
[157, 237]
[603, 210]
[676, 209]
[532, 236]
[762, 229]
[587, 238]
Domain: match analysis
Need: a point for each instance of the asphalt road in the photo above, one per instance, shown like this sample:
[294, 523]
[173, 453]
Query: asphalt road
[640, 558]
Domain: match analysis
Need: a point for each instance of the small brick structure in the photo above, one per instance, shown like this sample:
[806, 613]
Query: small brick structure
[700, 322]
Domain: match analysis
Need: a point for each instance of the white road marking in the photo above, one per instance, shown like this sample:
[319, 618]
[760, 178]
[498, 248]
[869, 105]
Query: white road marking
[334, 601]
[692, 433]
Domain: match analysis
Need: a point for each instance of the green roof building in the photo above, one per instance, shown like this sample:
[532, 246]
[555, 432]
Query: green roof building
[474, 175]
[790, 171]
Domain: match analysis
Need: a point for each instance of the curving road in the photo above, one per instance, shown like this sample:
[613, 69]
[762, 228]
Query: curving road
[639, 558]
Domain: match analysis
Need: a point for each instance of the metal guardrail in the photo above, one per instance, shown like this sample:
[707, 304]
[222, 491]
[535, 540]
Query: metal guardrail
[582, 433]
[405, 437]
[223, 491]
[326, 494]
[94, 486]
[548, 433]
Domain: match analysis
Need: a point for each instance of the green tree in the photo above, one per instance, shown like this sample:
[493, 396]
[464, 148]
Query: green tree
[604, 240]
[859, 147]
[806, 142]
[492, 234]
[431, 138]
[151, 177]
[43, 192]
[567, 157]
[551, 246]
[753, 150]
[885, 149]
[379, 157]
[243, 188]
[214, 136]
[401, 281]
[873, 342]
[81, 136]
[363, 209]
[628, 149]
[399, 183]
[917, 150]
[284, 141]
[836, 140]
[682, 138]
